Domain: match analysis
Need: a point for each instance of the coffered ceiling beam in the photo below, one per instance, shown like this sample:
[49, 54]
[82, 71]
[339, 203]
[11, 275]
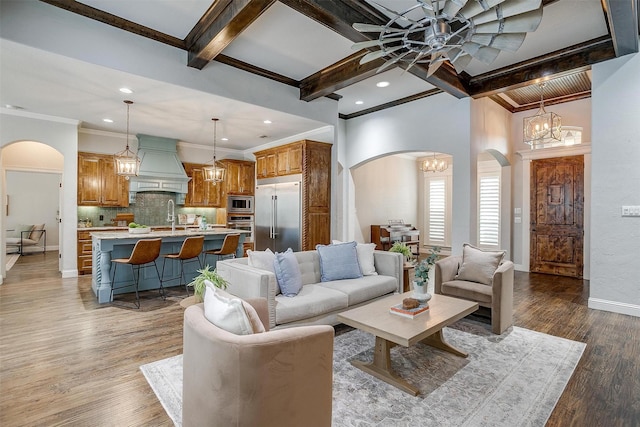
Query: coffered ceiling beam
[623, 17]
[564, 61]
[115, 21]
[343, 73]
[219, 26]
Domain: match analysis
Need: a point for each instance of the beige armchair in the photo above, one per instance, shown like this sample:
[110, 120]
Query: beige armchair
[275, 378]
[498, 296]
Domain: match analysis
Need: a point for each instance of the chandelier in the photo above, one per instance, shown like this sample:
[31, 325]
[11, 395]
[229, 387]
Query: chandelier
[215, 172]
[543, 127]
[434, 165]
[435, 31]
[127, 163]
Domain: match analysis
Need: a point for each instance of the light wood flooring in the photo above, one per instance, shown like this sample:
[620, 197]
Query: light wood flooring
[66, 360]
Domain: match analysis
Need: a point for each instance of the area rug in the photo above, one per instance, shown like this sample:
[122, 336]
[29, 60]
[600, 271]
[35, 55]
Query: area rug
[514, 379]
[11, 259]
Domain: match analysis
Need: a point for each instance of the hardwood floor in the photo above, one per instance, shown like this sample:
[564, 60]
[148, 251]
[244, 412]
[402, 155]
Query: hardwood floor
[66, 360]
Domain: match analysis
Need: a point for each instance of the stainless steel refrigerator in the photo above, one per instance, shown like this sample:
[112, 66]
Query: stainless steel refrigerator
[278, 216]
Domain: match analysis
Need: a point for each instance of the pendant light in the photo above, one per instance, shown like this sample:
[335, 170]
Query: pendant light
[127, 163]
[215, 172]
[543, 127]
[434, 165]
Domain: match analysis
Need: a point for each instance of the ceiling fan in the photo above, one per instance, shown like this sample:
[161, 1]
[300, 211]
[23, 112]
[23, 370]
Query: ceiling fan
[434, 31]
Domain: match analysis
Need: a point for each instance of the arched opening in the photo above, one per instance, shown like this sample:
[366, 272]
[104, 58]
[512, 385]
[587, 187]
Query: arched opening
[32, 175]
[393, 188]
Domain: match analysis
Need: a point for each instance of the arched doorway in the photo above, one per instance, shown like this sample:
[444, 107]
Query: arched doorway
[32, 175]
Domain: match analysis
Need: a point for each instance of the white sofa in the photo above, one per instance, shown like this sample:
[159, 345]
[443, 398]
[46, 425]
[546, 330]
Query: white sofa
[317, 302]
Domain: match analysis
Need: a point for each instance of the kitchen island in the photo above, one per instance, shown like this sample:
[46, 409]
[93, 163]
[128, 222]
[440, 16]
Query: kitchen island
[108, 245]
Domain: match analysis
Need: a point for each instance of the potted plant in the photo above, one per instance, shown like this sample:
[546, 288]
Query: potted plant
[199, 286]
[402, 248]
[421, 274]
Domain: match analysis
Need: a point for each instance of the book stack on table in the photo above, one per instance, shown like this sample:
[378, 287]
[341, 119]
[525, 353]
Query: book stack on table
[409, 312]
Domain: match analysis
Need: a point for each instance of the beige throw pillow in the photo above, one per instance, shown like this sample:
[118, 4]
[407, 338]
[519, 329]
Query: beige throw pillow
[479, 265]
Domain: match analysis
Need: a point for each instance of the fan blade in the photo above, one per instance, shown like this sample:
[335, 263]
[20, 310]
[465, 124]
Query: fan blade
[523, 23]
[371, 43]
[481, 53]
[473, 8]
[369, 28]
[392, 61]
[510, 42]
[398, 15]
[377, 54]
[507, 9]
[452, 7]
[433, 67]
[461, 62]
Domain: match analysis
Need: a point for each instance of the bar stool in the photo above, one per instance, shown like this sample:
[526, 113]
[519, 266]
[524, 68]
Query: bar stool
[190, 251]
[229, 247]
[144, 253]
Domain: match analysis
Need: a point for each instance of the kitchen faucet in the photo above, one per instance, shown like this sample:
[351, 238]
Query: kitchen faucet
[171, 215]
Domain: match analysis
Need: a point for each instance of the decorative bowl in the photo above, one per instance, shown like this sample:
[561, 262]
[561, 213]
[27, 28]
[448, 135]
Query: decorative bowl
[140, 230]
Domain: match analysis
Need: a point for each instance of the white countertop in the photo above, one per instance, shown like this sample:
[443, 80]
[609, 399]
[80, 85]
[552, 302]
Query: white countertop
[124, 234]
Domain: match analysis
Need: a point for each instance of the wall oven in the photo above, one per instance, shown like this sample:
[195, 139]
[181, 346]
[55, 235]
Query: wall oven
[241, 222]
[240, 204]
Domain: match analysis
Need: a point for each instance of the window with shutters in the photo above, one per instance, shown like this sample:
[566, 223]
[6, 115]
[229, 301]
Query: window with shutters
[489, 209]
[438, 209]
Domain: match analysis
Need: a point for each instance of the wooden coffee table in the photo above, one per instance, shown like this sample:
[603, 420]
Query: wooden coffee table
[391, 330]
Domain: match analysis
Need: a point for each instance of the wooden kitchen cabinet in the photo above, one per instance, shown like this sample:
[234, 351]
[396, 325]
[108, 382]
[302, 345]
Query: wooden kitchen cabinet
[85, 250]
[201, 193]
[98, 184]
[290, 159]
[266, 164]
[240, 177]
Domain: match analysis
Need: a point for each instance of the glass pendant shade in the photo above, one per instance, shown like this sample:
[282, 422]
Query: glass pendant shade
[216, 171]
[127, 163]
[434, 165]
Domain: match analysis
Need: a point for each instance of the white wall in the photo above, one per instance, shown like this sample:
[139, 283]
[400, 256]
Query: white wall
[384, 189]
[438, 123]
[615, 243]
[62, 135]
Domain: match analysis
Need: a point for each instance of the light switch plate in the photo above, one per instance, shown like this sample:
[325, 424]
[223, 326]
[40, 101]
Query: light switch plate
[631, 211]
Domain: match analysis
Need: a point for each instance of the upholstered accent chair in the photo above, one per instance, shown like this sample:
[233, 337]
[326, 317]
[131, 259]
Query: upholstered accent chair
[274, 378]
[30, 236]
[480, 276]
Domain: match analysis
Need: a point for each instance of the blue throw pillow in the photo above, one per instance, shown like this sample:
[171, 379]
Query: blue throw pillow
[338, 262]
[288, 273]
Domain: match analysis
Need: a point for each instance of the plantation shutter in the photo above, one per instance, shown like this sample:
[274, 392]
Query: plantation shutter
[489, 215]
[437, 211]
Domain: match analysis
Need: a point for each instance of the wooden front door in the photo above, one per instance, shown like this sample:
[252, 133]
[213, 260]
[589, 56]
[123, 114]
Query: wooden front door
[557, 207]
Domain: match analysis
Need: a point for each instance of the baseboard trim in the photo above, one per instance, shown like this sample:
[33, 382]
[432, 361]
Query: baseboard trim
[614, 306]
[520, 267]
[69, 273]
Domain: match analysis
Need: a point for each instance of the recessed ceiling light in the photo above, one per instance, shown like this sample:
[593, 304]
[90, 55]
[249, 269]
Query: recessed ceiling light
[359, 102]
[224, 139]
[382, 84]
[107, 120]
[125, 90]
[267, 122]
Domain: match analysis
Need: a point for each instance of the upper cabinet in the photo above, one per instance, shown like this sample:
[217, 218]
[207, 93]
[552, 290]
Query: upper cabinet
[98, 184]
[201, 193]
[240, 177]
[280, 161]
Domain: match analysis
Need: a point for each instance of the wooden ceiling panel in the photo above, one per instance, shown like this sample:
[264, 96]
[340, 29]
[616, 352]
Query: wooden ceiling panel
[554, 88]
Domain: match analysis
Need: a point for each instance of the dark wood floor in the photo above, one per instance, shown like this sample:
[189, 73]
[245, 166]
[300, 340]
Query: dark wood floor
[65, 360]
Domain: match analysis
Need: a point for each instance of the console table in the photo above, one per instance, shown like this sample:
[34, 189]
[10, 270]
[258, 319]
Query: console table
[384, 236]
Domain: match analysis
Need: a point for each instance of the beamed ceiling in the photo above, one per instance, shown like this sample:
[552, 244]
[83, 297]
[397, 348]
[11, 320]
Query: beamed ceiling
[306, 44]
[225, 20]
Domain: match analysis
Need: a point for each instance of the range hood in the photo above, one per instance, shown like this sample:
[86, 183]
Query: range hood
[160, 168]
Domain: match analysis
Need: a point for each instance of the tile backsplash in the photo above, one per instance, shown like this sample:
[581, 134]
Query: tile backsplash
[150, 208]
